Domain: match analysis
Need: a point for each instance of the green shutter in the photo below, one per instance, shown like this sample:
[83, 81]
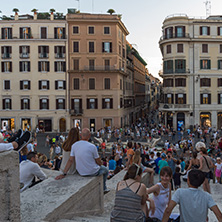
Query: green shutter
[171, 65]
[176, 64]
[218, 62]
[164, 66]
[209, 64]
[201, 64]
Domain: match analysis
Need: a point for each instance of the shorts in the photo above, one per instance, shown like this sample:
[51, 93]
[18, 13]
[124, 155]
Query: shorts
[218, 173]
[207, 175]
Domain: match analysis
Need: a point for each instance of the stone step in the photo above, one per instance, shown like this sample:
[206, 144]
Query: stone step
[102, 218]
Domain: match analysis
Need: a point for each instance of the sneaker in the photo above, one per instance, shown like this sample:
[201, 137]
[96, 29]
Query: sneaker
[22, 141]
[16, 136]
[106, 191]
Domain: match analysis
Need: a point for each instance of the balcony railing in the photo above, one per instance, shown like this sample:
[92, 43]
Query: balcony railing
[170, 107]
[101, 68]
[24, 55]
[76, 112]
[171, 71]
[6, 56]
[175, 35]
[43, 55]
[60, 55]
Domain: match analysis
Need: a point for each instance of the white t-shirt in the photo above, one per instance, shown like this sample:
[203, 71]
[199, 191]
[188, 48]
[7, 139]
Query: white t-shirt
[194, 204]
[85, 154]
[218, 166]
[57, 149]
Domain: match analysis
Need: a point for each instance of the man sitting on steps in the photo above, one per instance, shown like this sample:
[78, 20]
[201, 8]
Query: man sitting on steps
[88, 162]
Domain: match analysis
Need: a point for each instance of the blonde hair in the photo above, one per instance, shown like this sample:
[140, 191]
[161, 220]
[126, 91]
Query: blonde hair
[136, 158]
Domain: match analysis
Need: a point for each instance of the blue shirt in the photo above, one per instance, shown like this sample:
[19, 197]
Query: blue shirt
[112, 165]
[182, 164]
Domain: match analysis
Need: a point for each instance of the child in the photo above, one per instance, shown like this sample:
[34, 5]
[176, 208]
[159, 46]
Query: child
[176, 178]
[218, 169]
[178, 165]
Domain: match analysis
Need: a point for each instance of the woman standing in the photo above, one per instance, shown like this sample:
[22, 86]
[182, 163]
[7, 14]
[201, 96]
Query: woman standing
[118, 155]
[194, 162]
[205, 166]
[131, 197]
[66, 146]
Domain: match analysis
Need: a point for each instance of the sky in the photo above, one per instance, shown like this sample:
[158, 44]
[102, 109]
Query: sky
[143, 18]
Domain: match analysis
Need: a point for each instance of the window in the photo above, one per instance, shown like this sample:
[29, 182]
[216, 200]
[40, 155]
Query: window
[91, 83]
[76, 105]
[75, 46]
[107, 47]
[25, 103]
[43, 51]
[60, 84]
[44, 104]
[59, 33]
[7, 103]
[219, 64]
[91, 46]
[168, 66]
[24, 51]
[168, 83]
[204, 48]
[180, 48]
[60, 51]
[6, 66]
[180, 66]
[25, 33]
[204, 30]
[180, 82]
[75, 30]
[169, 98]
[106, 30]
[121, 84]
[91, 29]
[75, 64]
[76, 84]
[168, 50]
[107, 64]
[43, 33]
[107, 83]
[7, 85]
[205, 82]
[60, 66]
[92, 104]
[25, 84]
[60, 103]
[220, 49]
[44, 84]
[205, 98]
[124, 53]
[180, 31]
[219, 98]
[91, 64]
[180, 98]
[24, 66]
[219, 82]
[6, 33]
[6, 52]
[120, 49]
[43, 66]
[205, 64]
[107, 103]
[168, 33]
[219, 31]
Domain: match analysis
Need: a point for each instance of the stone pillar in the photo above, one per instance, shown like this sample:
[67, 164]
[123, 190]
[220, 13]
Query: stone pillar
[214, 120]
[9, 187]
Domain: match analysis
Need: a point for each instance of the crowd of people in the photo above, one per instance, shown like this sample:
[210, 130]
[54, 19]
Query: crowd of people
[191, 156]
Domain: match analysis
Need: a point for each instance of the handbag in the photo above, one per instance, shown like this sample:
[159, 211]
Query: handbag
[211, 176]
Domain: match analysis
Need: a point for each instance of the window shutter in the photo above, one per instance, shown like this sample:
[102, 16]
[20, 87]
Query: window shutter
[103, 103]
[47, 84]
[218, 98]
[55, 66]
[47, 49]
[10, 66]
[165, 31]
[39, 49]
[40, 104]
[209, 64]
[64, 33]
[47, 103]
[111, 103]
[184, 99]
[96, 103]
[176, 31]
[22, 104]
[201, 98]
[20, 49]
[21, 34]
[64, 84]
[176, 64]
[10, 104]
[64, 106]
[2, 50]
[208, 30]
[39, 66]
[2, 66]
[28, 49]
[176, 98]
[171, 32]
[55, 49]
[57, 104]
[80, 105]
[103, 47]
[29, 85]
[218, 64]
[56, 84]
[218, 30]
[184, 31]
[209, 98]
[28, 66]
[64, 49]
[201, 64]
[164, 66]
[20, 66]
[165, 98]
[3, 36]
[48, 69]
[3, 103]
[110, 47]
[40, 84]
[72, 103]
[172, 96]
[171, 65]
[87, 103]
[10, 49]
[201, 31]
[28, 103]
[64, 66]
[55, 33]
[21, 85]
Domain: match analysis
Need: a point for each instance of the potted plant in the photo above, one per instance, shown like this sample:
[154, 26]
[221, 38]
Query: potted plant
[111, 11]
[15, 10]
[52, 10]
[34, 10]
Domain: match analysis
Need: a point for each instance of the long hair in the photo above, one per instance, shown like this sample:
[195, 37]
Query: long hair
[72, 138]
[136, 157]
[132, 172]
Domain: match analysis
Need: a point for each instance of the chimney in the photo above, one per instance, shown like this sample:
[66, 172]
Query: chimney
[16, 16]
[35, 15]
[52, 16]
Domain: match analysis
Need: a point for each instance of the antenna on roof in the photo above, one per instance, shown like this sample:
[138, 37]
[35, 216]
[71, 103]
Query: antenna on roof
[208, 8]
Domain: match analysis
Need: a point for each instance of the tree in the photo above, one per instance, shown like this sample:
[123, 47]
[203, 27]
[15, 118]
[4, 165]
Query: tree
[34, 10]
[52, 10]
[111, 11]
[15, 10]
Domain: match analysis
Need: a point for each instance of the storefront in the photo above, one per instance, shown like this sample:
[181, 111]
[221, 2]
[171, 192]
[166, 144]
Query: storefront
[205, 119]
[62, 125]
[107, 123]
[180, 121]
[7, 123]
[77, 123]
[92, 123]
[170, 119]
[219, 120]
[45, 125]
[26, 124]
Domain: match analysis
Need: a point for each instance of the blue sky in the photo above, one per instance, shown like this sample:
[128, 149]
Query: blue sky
[143, 18]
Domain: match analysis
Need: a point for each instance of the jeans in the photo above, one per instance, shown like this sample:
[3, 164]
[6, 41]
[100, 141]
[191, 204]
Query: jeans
[103, 171]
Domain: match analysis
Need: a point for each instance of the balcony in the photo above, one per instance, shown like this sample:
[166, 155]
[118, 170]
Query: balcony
[76, 112]
[60, 55]
[174, 35]
[6, 56]
[175, 107]
[176, 71]
[102, 68]
[43, 55]
[24, 55]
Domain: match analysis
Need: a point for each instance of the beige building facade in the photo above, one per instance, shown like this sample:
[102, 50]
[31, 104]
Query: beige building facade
[33, 74]
[192, 71]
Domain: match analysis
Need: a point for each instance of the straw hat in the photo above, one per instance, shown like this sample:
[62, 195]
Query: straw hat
[200, 145]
